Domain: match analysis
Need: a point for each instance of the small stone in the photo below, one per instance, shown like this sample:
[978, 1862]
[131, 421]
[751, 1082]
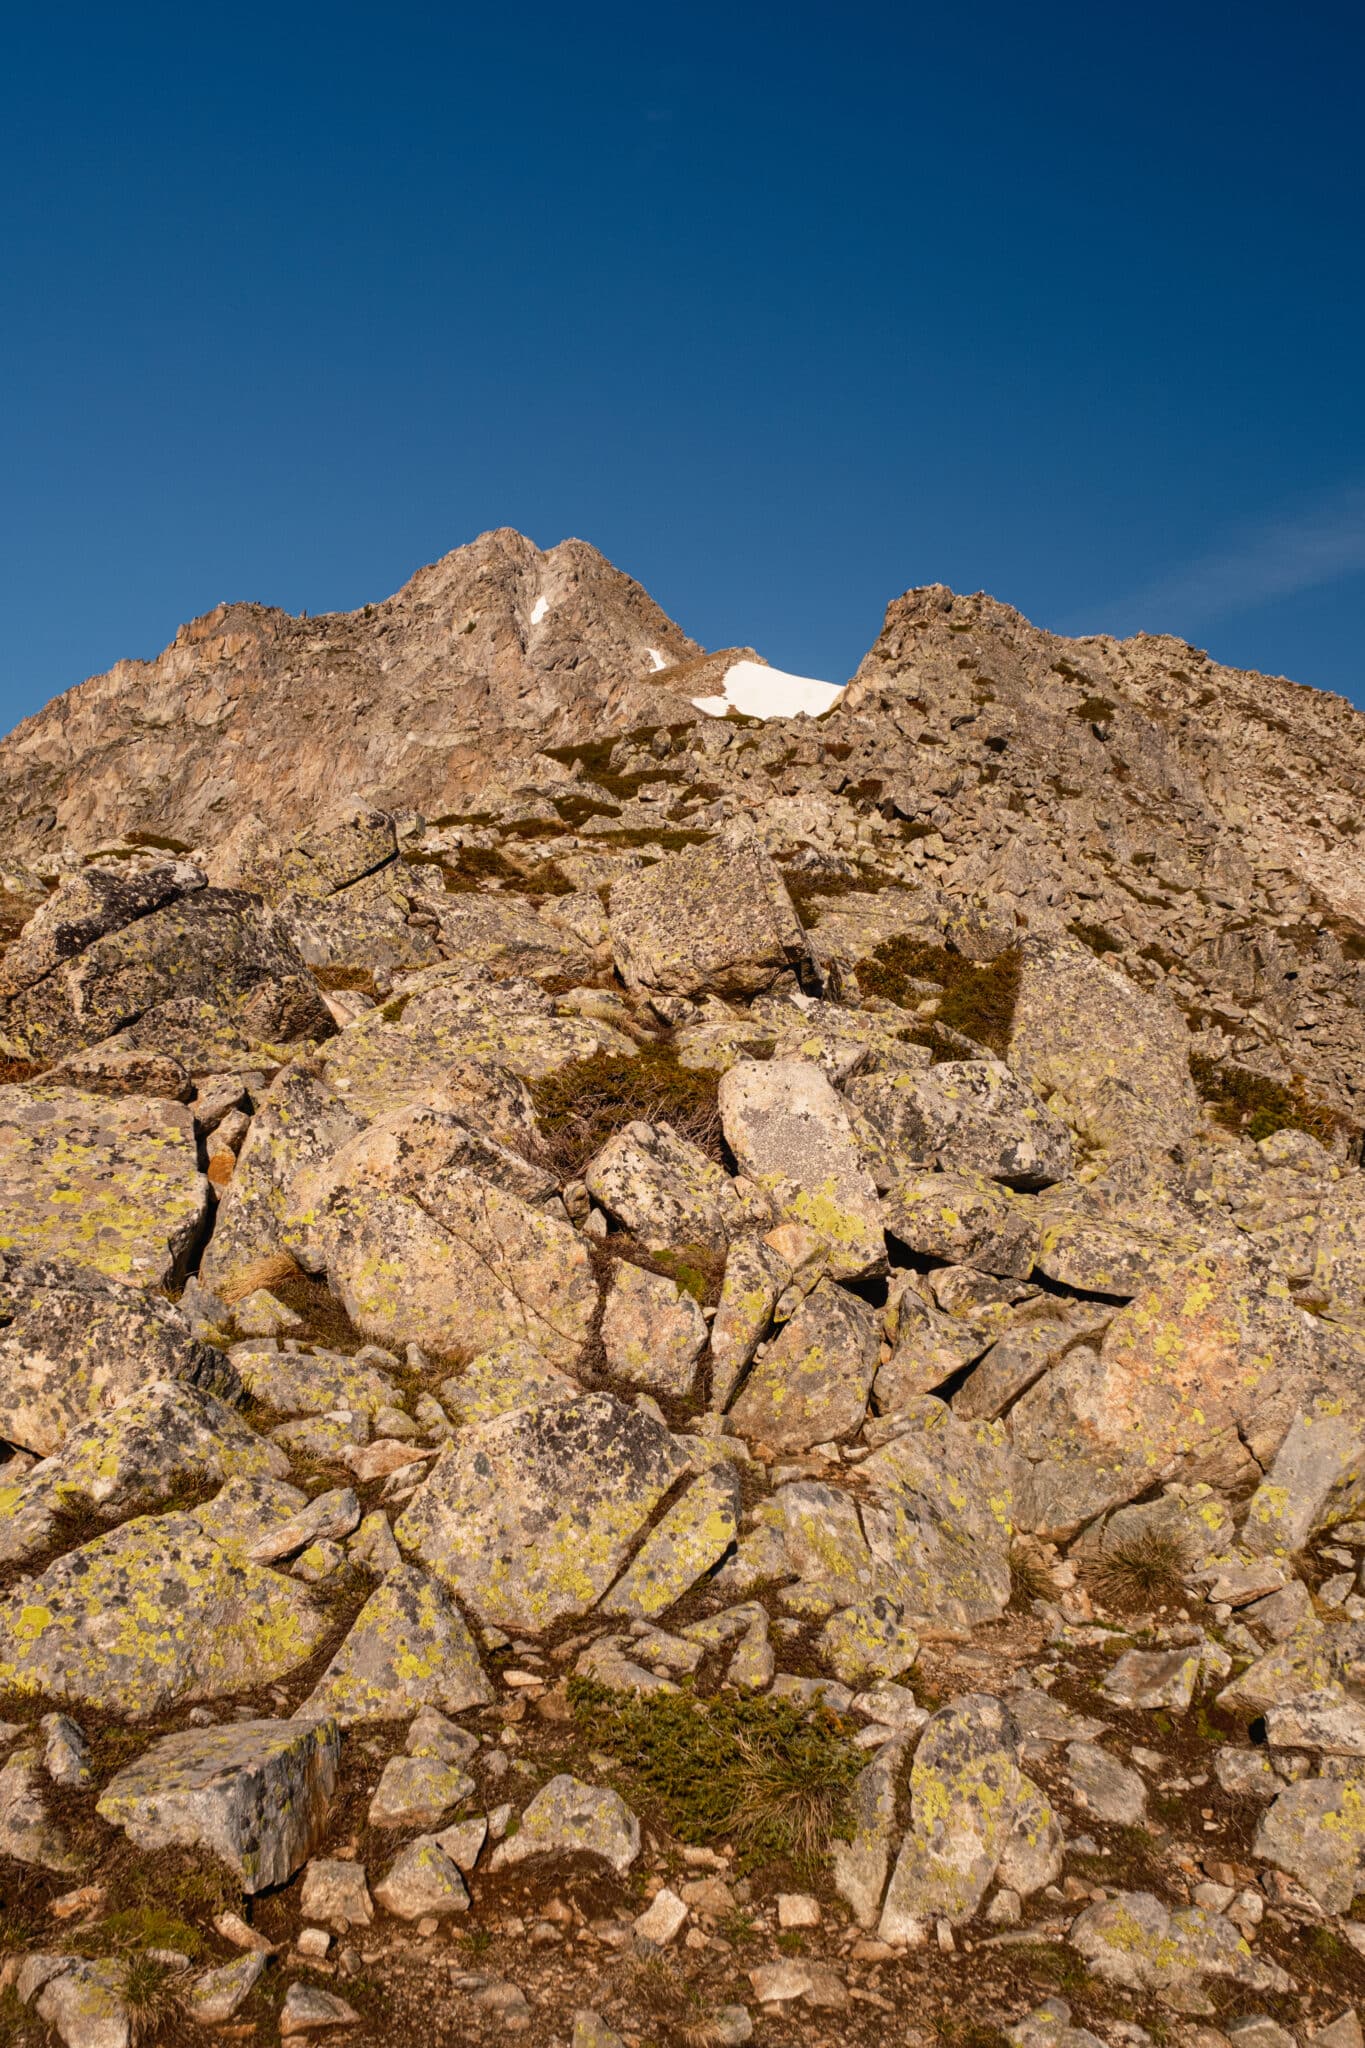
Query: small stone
[1005, 1909]
[731, 2027]
[215, 1995]
[313, 1942]
[417, 1791]
[233, 1928]
[780, 1983]
[797, 1909]
[591, 2031]
[435, 1734]
[307, 2008]
[663, 1919]
[463, 1842]
[334, 1890]
[423, 1880]
[1152, 1679]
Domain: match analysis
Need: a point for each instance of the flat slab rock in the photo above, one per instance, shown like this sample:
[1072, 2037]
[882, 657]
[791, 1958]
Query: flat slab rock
[111, 1182]
[255, 1793]
[530, 1517]
[152, 1615]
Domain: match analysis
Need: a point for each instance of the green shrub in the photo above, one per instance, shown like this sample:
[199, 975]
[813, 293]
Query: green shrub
[978, 997]
[1254, 1104]
[772, 1776]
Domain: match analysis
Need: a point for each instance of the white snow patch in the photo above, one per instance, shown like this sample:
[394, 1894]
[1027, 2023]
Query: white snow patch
[656, 660]
[542, 606]
[761, 692]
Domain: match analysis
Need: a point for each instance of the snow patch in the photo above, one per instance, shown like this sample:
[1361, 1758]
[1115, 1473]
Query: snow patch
[760, 692]
[656, 660]
[542, 605]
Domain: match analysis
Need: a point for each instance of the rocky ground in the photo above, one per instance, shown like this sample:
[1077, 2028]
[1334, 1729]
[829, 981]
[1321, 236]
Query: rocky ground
[721, 1399]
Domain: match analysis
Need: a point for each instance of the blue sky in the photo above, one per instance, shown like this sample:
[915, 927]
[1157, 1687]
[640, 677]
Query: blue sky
[786, 308]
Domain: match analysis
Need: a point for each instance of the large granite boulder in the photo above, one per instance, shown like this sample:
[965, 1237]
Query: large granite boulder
[109, 1182]
[73, 1343]
[790, 1133]
[710, 919]
[530, 1517]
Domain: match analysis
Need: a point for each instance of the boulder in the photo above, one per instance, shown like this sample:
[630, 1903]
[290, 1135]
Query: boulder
[408, 1648]
[569, 1818]
[653, 1333]
[1134, 1940]
[1199, 1378]
[530, 1517]
[755, 1275]
[74, 1342]
[150, 1616]
[714, 918]
[690, 1540]
[811, 1385]
[482, 1268]
[668, 1194]
[1108, 1057]
[1315, 1830]
[109, 1182]
[84, 907]
[790, 1133]
[966, 1116]
[964, 1220]
[422, 1880]
[254, 1793]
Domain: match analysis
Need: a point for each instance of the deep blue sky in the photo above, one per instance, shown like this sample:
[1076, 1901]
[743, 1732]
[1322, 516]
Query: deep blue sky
[785, 307]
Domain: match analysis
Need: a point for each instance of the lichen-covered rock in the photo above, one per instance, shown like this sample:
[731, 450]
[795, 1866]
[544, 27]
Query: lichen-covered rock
[1028, 1349]
[811, 1385]
[569, 1818]
[214, 1996]
[314, 1382]
[859, 1865]
[964, 1219]
[1315, 1830]
[417, 1791]
[867, 1641]
[1134, 1940]
[653, 1333]
[687, 1542]
[666, 1192]
[927, 1347]
[422, 1880]
[408, 1648]
[85, 2003]
[152, 1615]
[512, 1376]
[931, 1532]
[965, 1788]
[164, 1436]
[790, 1133]
[96, 900]
[212, 944]
[531, 1516]
[713, 918]
[483, 1269]
[335, 1892]
[307, 2009]
[1317, 1477]
[967, 1116]
[28, 1832]
[111, 1182]
[1199, 1378]
[755, 1275]
[73, 1343]
[255, 1793]
[1108, 1057]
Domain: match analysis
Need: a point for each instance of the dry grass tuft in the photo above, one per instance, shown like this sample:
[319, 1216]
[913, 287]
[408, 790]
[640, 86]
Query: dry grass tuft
[1142, 1573]
[270, 1272]
[586, 1102]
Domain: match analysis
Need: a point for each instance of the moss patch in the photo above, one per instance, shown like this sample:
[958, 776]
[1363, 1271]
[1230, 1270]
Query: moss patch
[582, 1104]
[978, 998]
[771, 1776]
[1258, 1106]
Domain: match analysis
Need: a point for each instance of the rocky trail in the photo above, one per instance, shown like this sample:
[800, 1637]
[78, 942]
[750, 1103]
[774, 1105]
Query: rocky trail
[715, 1395]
